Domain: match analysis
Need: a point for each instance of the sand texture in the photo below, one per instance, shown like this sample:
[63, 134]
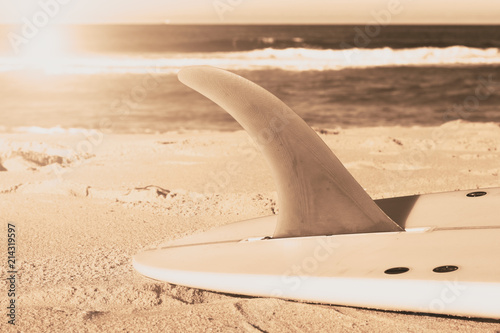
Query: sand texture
[84, 205]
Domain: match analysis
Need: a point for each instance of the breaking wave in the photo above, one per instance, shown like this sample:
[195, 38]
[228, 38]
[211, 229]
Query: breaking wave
[290, 59]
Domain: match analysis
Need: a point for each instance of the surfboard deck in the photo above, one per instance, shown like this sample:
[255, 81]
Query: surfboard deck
[444, 229]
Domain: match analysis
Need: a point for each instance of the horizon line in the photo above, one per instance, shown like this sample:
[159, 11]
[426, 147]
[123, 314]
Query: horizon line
[259, 24]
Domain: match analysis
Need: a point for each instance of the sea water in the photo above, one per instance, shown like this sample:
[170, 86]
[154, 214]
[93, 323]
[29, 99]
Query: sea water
[123, 78]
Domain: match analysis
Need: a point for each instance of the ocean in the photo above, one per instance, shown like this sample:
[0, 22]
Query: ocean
[123, 78]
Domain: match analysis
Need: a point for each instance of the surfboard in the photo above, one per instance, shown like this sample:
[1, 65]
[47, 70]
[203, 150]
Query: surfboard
[331, 243]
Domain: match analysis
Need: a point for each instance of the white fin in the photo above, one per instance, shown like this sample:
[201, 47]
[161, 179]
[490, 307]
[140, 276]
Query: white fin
[316, 193]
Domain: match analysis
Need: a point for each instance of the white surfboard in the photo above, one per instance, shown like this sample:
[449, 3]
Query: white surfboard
[331, 243]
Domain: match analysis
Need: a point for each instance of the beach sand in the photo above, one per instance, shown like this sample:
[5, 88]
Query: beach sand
[82, 207]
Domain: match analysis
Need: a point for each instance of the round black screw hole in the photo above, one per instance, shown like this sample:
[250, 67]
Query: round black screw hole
[445, 269]
[397, 270]
[476, 194]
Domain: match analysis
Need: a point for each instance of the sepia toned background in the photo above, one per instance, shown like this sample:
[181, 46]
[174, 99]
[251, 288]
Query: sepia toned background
[104, 153]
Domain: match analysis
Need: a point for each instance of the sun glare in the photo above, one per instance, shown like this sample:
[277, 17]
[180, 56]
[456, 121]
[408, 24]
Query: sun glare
[45, 51]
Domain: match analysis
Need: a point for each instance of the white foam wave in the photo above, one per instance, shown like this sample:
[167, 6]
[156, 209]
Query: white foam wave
[292, 59]
[52, 130]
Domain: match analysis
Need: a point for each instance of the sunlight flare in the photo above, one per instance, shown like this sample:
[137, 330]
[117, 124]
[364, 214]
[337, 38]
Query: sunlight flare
[45, 52]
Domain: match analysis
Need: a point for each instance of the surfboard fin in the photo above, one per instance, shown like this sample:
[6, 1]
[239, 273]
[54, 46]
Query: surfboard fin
[316, 193]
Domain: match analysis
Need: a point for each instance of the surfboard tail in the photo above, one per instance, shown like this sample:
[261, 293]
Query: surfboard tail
[316, 193]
